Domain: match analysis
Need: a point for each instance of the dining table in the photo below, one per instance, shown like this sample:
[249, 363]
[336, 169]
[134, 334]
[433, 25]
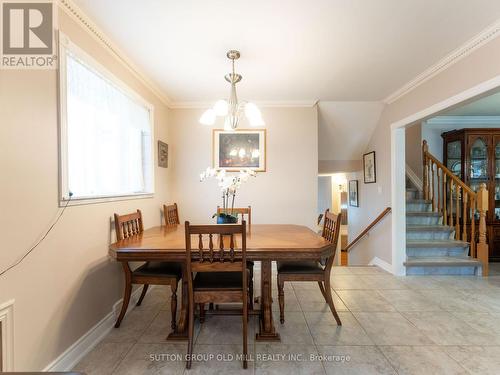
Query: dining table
[265, 243]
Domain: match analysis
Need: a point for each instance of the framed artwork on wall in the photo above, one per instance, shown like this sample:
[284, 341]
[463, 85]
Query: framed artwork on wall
[369, 168]
[353, 193]
[162, 154]
[240, 149]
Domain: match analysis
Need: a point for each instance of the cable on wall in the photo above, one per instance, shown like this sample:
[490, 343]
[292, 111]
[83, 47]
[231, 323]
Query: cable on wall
[16, 263]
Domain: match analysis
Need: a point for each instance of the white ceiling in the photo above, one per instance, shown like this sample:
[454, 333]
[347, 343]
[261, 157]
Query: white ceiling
[293, 50]
[487, 106]
[345, 128]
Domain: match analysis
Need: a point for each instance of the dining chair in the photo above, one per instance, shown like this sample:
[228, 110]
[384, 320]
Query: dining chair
[221, 272]
[171, 214]
[242, 211]
[312, 270]
[150, 273]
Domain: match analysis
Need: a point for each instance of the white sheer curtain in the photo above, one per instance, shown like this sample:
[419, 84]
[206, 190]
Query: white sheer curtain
[109, 136]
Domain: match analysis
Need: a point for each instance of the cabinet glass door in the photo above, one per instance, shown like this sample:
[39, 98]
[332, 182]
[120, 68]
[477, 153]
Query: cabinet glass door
[454, 157]
[497, 179]
[478, 172]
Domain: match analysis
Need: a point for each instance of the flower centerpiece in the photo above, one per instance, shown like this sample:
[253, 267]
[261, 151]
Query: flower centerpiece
[228, 184]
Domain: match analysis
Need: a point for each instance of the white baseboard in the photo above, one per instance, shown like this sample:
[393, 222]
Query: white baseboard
[376, 261]
[71, 356]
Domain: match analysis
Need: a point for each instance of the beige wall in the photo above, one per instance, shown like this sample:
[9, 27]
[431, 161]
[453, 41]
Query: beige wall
[68, 283]
[482, 65]
[285, 193]
[413, 148]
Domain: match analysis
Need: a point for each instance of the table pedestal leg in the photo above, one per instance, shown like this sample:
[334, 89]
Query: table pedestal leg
[181, 331]
[266, 326]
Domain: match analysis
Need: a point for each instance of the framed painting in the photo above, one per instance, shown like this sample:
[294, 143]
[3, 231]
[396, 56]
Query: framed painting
[369, 168]
[162, 154]
[353, 193]
[240, 149]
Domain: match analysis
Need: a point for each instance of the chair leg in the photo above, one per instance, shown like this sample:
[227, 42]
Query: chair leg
[250, 286]
[281, 298]
[321, 287]
[245, 334]
[190, 334]
[202, 312]
[143, 294]
[329, 300]
[126, 300]
[173, 305]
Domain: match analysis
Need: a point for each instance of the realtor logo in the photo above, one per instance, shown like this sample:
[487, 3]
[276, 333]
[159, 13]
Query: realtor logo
[27, 35]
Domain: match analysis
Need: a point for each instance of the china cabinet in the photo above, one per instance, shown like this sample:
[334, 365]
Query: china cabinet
[473, 155]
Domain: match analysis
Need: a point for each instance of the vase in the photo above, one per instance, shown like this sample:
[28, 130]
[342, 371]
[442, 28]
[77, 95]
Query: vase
[226, 219]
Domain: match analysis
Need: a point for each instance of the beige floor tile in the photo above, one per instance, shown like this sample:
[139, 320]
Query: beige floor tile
[382, 282]
[341, 270]
[353, 360]
[221, 359]
[391, 328]
[321, 305]
[275, 358]
[160, 328]
[476, 359]
[425, 360]
[452, 300]
[460, 282]
[103, 359]
[482, 322]
[408, 300]
[445, 329]
[155, 359]
[347, 282]
[132, 327]
[367, 270]
[224, 330]
[295, 329]
[420, 282]
[489, 299]
[325, 331]
[364, 300]
[291, 301]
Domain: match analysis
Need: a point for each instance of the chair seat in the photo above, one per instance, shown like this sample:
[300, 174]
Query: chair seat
[159, 269]
[218, 280]
[302, 267]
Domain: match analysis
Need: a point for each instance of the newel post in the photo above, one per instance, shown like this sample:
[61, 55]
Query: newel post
[425, 150]
[482, 246]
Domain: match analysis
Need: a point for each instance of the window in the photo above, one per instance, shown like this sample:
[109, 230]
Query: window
[106, 132]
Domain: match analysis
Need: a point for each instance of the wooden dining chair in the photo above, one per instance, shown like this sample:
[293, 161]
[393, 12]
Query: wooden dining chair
[171, 214]
[221, 272]
[312, 270]
[241, 212]
[150, 273]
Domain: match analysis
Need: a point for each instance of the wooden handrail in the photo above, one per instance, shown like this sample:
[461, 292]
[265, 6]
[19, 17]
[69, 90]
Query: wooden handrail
[367, 229]
[457, 203]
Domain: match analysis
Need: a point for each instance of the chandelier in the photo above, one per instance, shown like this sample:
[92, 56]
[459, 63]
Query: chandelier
[231, 109]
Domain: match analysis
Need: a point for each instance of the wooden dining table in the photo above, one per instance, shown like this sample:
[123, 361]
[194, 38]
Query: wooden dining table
[265, 243]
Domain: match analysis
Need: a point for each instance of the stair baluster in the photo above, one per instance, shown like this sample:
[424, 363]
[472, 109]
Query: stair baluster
[456, 201]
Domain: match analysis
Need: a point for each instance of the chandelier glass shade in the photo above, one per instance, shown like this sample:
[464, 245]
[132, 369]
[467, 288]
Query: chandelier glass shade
[232, 109]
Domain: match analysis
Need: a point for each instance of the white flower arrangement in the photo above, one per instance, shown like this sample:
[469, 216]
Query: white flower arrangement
[228, 184]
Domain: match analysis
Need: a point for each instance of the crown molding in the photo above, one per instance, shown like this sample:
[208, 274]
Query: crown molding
[262, 104]
[465, 50]
[77, 14]
[467, 120]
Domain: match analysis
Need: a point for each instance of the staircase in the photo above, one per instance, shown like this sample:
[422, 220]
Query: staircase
[431, 248]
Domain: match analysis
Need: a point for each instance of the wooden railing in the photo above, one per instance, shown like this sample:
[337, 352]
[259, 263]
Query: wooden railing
[367, 229]
[460, 206]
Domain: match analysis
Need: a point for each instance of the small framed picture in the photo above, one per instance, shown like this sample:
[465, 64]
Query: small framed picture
[369, 168]
[353, 193]
[162, 154]
[240, 149]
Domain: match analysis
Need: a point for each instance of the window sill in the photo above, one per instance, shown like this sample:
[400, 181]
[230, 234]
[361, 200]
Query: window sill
[85, 201]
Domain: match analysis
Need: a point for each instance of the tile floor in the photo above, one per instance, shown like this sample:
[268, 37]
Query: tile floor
[391, 325]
